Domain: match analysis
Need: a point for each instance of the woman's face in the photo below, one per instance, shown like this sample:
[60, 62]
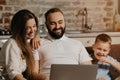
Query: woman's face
[31, 29]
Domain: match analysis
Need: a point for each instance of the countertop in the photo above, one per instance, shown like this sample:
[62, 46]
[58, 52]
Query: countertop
[77, 34]
[94, 34]
[4, 36]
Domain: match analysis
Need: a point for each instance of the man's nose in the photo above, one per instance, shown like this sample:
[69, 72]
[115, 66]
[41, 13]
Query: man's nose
[57, 25]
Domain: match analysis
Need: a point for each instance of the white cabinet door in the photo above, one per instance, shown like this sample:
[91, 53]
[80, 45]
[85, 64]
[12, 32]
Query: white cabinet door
[90, 41]
[87, 41]
[115, 40]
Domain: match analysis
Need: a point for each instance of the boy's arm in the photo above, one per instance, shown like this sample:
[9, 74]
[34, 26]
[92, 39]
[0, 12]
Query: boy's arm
[87, 62]
[114, 63]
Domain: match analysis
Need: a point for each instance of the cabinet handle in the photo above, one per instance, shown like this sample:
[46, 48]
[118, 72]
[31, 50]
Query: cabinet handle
[88, 41]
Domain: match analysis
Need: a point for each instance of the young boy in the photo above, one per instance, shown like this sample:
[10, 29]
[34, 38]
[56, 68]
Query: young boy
[105, 62]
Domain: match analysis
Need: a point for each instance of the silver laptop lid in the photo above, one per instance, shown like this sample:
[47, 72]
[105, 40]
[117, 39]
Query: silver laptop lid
[73, 72]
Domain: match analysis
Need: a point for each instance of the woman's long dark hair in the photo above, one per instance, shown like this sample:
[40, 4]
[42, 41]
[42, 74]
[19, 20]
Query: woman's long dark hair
[18, 29]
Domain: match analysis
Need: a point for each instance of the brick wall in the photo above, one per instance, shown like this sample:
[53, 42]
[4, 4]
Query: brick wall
[100, 12]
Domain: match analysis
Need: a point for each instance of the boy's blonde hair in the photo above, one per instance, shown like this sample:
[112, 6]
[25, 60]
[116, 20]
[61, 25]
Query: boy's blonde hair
[104, 38]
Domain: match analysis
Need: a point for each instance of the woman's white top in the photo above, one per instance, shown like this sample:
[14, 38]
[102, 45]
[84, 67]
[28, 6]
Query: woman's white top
[12, 60]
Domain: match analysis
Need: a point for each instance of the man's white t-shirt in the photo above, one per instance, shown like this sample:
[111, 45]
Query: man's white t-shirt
[61, 51]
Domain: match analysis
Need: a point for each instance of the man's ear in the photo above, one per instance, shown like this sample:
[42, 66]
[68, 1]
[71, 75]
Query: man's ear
[46, 23]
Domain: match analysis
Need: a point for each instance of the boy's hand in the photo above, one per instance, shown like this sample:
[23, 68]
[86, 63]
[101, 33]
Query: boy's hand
[104, 59]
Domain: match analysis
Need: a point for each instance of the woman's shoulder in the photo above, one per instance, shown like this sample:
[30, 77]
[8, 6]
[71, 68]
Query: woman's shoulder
[10, 46]
[10, 43]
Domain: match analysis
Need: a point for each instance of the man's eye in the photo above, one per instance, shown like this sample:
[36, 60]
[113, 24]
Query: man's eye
[60, 22]
[52, 23]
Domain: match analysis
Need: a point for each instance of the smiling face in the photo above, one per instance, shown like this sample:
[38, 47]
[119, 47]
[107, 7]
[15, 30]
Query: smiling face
[55, 24]
[30, 29]
[101, 49]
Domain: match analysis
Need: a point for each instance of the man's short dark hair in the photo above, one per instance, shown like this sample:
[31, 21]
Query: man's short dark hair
[52, 10]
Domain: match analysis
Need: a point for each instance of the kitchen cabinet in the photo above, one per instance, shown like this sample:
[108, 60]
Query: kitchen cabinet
[88, 38]
[86, 41]
[89, 41]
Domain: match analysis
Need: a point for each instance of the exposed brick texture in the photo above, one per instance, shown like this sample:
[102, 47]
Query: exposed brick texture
[100, 12]
[3, 2]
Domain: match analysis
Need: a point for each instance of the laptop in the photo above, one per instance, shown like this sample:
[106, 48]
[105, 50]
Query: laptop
[73, 72]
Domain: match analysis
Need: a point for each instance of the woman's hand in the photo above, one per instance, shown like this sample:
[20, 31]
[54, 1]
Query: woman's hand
[118, 78]
[35, 42]
[19, 77]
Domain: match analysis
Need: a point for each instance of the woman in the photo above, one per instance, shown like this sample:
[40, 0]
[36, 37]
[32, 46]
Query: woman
[20, 62]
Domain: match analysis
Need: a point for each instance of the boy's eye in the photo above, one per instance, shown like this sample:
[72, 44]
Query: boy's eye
[105, 50]
[99, 48]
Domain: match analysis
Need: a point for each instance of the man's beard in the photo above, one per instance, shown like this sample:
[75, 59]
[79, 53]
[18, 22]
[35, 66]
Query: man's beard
[56, 35]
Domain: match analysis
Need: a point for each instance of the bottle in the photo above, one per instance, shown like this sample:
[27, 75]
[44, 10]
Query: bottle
[116, 19]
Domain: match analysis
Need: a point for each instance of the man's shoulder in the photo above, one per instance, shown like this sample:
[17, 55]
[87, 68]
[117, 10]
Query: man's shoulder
[63, 39]
[44, 41]
[74, 40]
